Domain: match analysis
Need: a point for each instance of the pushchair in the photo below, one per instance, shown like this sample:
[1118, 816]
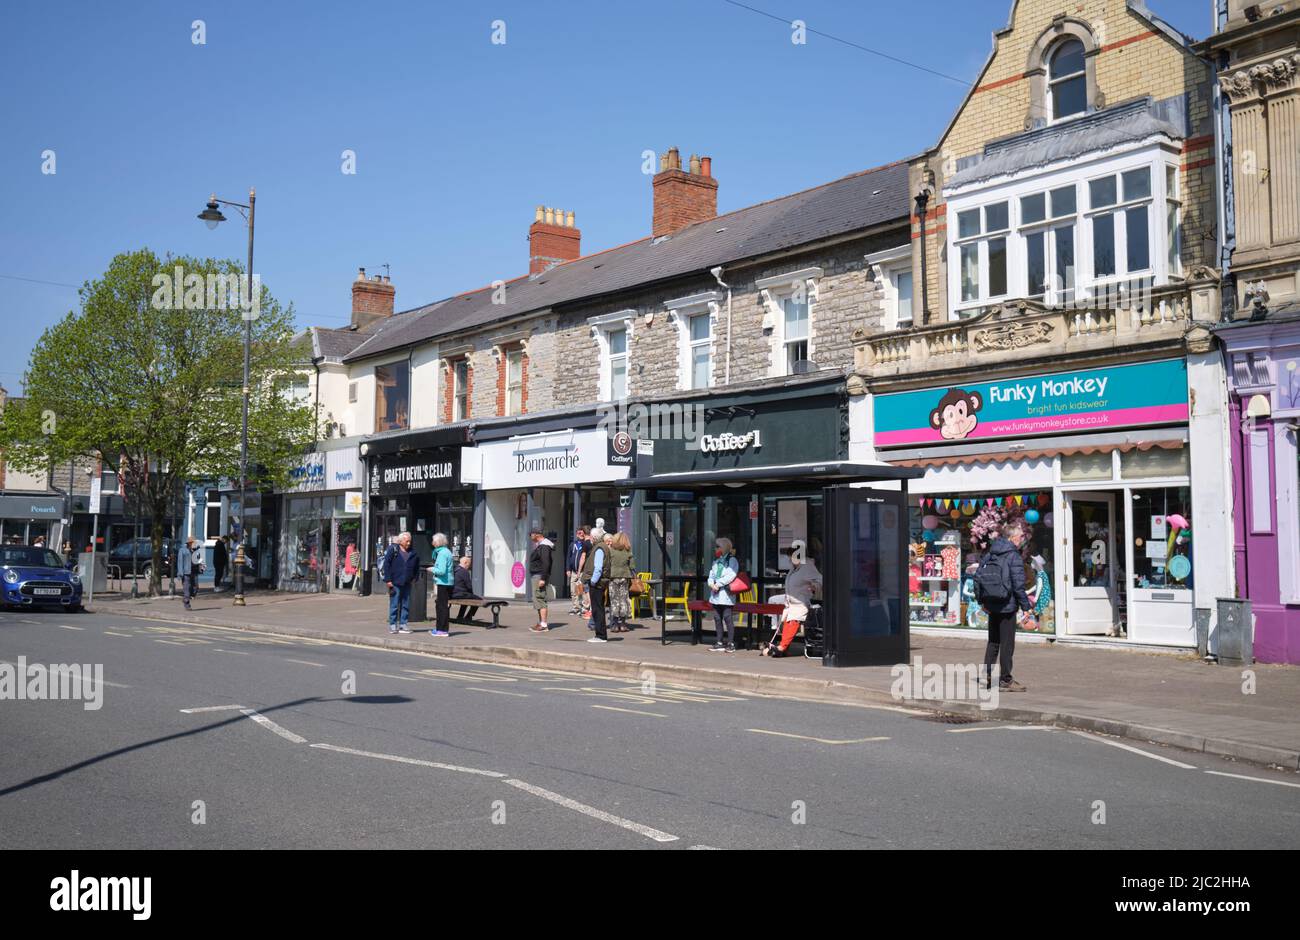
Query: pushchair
[812, 630]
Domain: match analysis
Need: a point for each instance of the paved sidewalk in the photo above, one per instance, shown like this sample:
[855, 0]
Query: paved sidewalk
[1158, 697]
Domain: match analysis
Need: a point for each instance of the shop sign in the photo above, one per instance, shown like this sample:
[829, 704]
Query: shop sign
[308, 476]
[728, 442]
[352, 502]
[1063, 402]
[620, 450]
[560, 459]
[423, 471]
[342, 469]
[29, 507]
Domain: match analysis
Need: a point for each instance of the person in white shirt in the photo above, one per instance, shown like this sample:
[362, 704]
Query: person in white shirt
[802, 585]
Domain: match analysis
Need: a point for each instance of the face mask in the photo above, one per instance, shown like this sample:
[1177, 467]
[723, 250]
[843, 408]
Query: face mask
[718, 553]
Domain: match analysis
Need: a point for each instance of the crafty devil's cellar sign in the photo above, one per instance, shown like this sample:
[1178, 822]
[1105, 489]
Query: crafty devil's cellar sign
[1084, 400]
[421, 472]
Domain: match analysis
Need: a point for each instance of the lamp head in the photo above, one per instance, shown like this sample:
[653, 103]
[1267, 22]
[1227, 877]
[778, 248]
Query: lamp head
[212, 216]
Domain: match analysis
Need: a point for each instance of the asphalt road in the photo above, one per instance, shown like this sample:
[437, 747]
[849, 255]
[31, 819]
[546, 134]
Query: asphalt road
[433, 753]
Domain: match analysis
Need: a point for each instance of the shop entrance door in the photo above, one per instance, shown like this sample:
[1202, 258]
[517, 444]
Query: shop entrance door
[1090, 563]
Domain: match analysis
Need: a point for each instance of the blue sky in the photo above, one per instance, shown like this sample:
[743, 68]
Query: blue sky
[456, 139]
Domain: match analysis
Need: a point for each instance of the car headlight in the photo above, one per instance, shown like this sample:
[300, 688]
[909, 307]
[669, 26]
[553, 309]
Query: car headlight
[11, 576]
[76, 578]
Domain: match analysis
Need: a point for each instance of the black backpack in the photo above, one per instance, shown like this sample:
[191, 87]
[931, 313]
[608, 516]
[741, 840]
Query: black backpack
[992, 581]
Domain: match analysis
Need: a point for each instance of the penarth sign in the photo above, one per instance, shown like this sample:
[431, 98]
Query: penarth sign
[1144, 394]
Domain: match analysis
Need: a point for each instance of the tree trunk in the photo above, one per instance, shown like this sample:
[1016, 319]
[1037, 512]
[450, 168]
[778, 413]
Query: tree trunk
[156, 510]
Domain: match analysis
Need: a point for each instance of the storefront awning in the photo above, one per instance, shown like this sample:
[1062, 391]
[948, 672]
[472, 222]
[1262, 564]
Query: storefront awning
[825, 473]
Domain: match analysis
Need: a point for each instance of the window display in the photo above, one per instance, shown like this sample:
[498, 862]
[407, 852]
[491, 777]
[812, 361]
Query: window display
[948, 537]
[1162, 538]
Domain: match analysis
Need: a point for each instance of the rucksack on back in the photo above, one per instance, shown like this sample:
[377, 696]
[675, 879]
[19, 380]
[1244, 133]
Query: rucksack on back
[992, 581]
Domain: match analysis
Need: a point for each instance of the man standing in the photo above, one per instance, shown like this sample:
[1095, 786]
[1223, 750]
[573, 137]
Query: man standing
[539, 569]
[573, 570]
[597, 583]
[189, 565]
[1000, 587]
[220, 561]
[401, 567]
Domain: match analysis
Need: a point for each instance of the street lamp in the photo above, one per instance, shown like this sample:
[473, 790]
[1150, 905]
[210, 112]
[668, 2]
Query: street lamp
[212, 217]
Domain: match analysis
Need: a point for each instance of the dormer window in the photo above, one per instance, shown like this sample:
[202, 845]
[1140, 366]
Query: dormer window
[1067, 80]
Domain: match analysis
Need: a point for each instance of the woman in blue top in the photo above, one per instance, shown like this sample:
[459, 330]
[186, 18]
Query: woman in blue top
[443, 575]
[724, 571]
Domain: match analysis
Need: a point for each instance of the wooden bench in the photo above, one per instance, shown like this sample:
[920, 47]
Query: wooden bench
[746, 607]
[474, 603]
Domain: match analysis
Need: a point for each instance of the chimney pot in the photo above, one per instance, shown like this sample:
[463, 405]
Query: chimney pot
[569, 219]
[706, 166]
[683, 198]
[540, 210]
[695, 165]
[361, 274]
[372, 299]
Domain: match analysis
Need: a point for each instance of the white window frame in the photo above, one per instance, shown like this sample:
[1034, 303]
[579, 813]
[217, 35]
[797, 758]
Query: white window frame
[680, 313]
[773, 292]
[886, 267]
[1049, 226]
[1156, 153]
[601, 328]
[459, 412]
[1051, 83]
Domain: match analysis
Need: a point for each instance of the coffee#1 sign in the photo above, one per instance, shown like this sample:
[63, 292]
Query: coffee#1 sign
[1084, 400]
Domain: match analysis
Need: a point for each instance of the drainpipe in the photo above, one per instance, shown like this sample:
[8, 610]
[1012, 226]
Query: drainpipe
[1227, 228]
[923, 201]
[717, 276]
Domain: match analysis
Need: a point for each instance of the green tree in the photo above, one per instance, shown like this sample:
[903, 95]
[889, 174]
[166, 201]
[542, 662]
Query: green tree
[149, 379]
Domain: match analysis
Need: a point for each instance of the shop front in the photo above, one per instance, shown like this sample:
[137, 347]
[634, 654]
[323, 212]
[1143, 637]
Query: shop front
[321, 536]
[420, 491]
[551, 481]
[23, 519]
[1095, 463]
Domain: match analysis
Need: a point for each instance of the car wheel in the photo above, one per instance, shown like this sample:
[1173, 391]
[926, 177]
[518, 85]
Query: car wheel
[147, 573]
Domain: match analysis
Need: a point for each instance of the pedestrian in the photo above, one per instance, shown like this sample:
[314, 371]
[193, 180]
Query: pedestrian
[597, 583]
[443, 577]
[462, 589]
[724, 571]
[539, 569]
[401, 567]
[69, 555]
[38, 542]
[573, 560]
[220, 562]
[802, 584]
[1000, 587]
[189, 565]
[620, 576]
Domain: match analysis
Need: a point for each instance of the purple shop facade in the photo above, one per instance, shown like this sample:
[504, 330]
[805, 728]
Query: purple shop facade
[1263, 370]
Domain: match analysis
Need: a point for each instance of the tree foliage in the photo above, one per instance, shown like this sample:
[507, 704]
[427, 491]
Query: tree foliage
[150, 381]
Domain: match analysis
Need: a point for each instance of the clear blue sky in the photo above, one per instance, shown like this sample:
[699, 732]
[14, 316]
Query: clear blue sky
[457, 139]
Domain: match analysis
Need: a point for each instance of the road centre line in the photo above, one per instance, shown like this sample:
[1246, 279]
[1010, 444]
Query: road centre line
[272, 726]
[211, 708]
[1276, 783]
[64, 626]
[470, 688]
[218, 649]
[1135, 750]
[409, 760]
[305, 662]
[591, 811]
[112, 633]
[804, 737]
[389, 675]
[630, 711]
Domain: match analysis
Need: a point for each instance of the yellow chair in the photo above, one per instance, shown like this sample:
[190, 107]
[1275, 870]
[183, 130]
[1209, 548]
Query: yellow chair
[748, 597]
[680, 600]
[644, 598]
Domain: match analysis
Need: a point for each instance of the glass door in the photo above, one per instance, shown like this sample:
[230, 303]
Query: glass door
[1090, 563]
[1161, 573]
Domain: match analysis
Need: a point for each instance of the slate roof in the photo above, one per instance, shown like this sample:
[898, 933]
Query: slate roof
[335, 344]
[860, 201]
[1071, 140]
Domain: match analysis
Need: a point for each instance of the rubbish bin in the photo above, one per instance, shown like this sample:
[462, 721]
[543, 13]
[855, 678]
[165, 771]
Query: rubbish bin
[1236, 632]
[420, 598]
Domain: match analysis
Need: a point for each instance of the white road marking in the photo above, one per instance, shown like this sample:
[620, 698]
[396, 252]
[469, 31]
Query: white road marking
[170, 642]
[64, 626]
[410, 760]
[704, 848]
[389, 675]
[804, 737]
[470, 688]
[86, 680]
[112, 633]
[630, 711]
[594, 813]
[304, 662]
[272, 726]
[218, 649]
[1276, 783]
[211, 708]
[1002, 728]
[1135, 750]
[23, 620]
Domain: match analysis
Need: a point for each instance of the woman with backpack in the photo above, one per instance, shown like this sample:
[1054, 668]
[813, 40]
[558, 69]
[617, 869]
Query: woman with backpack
[724, 571]
[1000, 587]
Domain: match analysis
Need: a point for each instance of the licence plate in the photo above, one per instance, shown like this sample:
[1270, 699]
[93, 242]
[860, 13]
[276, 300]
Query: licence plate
[47, 591]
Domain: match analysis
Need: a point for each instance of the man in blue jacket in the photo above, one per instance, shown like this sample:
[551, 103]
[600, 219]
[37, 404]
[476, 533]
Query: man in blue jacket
[1003, 603]
[401, 570]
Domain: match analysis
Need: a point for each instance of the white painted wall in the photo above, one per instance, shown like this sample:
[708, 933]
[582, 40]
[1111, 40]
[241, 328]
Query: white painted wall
[1211, 483]
[425, 375]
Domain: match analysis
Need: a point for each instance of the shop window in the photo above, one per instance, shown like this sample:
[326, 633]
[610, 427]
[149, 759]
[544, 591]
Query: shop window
[1079, 467]
[949, 535]
[1162, 538]
[392, 396]
[1155, 462]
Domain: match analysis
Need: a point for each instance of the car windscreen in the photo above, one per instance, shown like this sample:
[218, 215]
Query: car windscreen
[22, 556]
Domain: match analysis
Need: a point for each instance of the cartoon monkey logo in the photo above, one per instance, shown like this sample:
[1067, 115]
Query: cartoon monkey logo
[954, 416]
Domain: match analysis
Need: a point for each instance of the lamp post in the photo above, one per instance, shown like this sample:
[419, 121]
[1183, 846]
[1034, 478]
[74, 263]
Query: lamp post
[211, 215]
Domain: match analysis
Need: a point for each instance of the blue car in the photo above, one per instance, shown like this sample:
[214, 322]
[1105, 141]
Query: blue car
[35, 577]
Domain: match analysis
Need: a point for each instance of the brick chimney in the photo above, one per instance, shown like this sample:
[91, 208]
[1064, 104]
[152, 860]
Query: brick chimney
[372, 299]
[552, 240]
[683, 197]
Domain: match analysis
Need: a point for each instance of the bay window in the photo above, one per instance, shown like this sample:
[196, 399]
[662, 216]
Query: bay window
[1047, 225]
[1121, 223]
[982, 242]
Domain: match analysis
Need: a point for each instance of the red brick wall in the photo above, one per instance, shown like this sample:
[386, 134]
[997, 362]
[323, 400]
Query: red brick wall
[449, 392]
[549, 245]
[682, 199]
